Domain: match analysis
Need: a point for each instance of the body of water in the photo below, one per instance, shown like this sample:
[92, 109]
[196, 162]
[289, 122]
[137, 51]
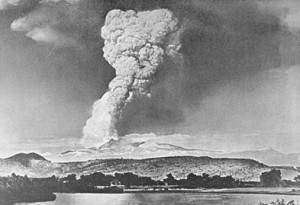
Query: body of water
[164, 199]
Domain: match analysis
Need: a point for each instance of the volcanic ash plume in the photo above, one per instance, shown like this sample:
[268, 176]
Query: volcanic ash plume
[134, 45]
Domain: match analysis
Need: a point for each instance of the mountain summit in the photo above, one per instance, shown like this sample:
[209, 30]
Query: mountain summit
[24, 158]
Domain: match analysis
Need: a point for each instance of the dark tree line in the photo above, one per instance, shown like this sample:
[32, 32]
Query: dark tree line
[271, 178]
[129, 179]
[203, 181]
[23, 189]
[99, 179]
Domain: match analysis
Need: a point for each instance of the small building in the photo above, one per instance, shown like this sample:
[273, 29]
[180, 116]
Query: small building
[116, 183]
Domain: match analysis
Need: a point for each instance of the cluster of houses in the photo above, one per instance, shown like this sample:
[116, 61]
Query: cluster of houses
[113, 183]
[117, 183]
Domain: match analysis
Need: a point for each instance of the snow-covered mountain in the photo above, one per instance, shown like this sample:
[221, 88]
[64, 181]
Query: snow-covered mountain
[138, 147]
[130, 148]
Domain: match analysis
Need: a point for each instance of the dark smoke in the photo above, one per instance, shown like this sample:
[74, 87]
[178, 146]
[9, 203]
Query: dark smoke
[223, 44]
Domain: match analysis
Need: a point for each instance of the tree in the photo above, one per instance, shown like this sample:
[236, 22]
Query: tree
[193, 181]
[271, 178]
[170, 180]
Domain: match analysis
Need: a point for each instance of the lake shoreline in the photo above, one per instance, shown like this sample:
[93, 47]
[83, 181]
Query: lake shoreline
[268, 191]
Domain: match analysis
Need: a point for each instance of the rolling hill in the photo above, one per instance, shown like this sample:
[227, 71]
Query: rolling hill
[268, 156]
[157, 168]
[25, 159]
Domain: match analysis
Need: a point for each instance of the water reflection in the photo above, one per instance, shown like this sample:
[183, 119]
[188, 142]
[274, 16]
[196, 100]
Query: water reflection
[164, 199]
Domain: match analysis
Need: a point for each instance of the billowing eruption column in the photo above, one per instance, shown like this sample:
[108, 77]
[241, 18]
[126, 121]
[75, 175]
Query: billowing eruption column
[134, 45]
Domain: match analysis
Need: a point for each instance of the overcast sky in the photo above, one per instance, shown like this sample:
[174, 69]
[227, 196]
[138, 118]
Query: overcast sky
[237, 87]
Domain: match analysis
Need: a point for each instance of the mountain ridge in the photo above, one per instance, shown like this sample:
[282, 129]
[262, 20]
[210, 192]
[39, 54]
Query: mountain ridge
[268, 156]
[145, 148]
[131, 148]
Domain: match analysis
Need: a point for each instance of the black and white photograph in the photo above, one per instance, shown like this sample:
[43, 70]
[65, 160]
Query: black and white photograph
[149, 102]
